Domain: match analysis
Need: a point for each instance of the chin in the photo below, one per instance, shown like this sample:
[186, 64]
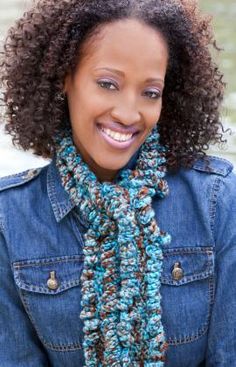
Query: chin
[113, 164]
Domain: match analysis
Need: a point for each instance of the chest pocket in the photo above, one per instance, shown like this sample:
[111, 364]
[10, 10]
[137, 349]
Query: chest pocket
[51, 293]
[187, 292]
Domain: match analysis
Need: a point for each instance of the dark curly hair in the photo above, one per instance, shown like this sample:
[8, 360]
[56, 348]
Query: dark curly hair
[45, 44]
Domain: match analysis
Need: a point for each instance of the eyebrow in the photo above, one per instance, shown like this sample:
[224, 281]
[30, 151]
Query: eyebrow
[119, 72]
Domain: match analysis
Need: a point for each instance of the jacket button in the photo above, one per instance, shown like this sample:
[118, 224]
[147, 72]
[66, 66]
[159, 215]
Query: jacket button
[177, 272]
[52, 282]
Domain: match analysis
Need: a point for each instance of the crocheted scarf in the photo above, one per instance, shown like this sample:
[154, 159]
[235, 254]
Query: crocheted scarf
[120, 303]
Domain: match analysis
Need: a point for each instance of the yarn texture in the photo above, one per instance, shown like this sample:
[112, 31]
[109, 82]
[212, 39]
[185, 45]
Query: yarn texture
[121, 301]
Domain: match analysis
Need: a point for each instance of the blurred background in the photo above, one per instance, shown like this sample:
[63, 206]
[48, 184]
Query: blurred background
[13, 160]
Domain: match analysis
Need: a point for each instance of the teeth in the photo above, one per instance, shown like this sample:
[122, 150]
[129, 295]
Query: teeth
[117, 136]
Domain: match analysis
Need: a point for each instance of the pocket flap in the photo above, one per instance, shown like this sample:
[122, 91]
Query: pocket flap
[193, 263]
[48, 275]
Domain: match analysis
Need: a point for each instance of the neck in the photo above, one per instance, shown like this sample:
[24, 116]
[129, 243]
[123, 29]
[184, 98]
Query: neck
[102, 174]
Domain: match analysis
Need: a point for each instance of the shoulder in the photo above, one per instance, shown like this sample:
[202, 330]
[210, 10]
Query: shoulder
[19, 179]
[216, 183]
[205, 172]
[213, 165]
[210, 182]
[216, 186]
[218, 173]
[207, 193]
[20, 191]
[19, 188]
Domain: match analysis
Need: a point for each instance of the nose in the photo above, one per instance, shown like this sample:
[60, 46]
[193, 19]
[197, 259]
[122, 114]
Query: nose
[126, 112]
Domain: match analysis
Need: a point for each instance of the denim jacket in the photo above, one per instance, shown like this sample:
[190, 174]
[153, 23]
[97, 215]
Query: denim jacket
[41, 260]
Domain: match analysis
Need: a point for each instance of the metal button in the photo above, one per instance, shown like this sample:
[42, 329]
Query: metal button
[177, 272]
[52, 282]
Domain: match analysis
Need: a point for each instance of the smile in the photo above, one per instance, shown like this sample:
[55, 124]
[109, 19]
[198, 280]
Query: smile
[116, 136]
[115, 139]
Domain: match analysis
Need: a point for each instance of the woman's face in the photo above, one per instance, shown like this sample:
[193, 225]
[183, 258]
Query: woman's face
[115, 94]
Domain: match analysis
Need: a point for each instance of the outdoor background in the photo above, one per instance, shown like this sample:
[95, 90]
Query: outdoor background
[224, 13]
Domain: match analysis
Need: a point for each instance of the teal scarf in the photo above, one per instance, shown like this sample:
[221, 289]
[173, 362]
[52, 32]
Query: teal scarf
[120, 303]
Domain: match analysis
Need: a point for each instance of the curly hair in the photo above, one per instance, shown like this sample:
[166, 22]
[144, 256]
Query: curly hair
[46, 43]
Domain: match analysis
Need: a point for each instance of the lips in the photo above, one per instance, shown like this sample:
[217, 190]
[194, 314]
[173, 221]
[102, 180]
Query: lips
[117, 128]
[116, 136]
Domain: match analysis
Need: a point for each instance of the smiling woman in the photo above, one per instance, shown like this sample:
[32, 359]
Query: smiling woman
[116, 107]
[120, 251]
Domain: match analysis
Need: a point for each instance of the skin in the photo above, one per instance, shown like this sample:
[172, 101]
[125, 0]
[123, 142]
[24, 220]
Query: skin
[100, 98]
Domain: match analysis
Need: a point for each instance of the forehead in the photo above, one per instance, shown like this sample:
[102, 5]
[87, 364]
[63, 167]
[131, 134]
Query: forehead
[128, 41]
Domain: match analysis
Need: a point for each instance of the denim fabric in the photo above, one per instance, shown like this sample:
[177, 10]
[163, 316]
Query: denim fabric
[41, 233]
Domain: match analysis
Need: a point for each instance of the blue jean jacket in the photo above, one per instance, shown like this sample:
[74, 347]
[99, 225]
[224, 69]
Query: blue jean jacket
[41, 260]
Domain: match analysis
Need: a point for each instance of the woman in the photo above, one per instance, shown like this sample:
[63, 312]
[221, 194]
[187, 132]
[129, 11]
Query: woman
[104, 261]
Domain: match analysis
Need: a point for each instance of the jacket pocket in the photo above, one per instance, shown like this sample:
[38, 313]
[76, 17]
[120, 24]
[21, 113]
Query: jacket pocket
[187, 292]
[51, 294]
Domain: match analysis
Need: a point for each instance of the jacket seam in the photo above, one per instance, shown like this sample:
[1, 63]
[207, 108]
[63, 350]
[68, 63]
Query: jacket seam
[59, 210]
[205, 272]
[51, 196]
[43, 289]
[2, 227]
[24, 176]
[79, 227]
[19, 174]
[213, 202]
[47, 261]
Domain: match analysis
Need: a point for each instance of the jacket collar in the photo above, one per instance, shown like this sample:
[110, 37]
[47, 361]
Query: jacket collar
[59, 198]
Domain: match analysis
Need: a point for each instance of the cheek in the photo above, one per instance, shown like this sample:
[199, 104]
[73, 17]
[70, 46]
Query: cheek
[93, 105]
[153, 115]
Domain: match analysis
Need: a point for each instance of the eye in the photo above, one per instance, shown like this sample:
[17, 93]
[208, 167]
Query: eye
[153, 94]
[107, 84]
